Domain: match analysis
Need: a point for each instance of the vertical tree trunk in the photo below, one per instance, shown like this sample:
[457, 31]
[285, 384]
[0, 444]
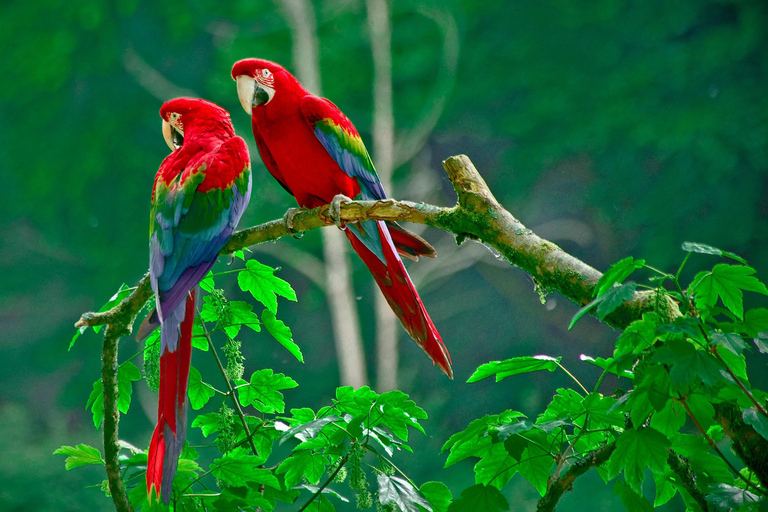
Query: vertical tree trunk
[339, 292]
[383, 133]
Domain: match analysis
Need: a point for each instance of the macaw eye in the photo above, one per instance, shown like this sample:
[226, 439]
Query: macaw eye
[265, 73]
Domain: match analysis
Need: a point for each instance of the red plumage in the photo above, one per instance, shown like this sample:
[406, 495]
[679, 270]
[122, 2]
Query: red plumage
[315, 153]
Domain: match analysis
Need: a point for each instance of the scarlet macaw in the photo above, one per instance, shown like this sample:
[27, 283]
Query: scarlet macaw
[200, 192]
[315, 153]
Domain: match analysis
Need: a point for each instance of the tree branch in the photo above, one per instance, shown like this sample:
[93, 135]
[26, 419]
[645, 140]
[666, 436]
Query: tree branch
[477, 216]
[593, 459]
[112, 335]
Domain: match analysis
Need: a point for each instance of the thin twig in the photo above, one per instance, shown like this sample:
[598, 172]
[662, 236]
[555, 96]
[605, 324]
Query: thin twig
[229, 386]
[342, 461]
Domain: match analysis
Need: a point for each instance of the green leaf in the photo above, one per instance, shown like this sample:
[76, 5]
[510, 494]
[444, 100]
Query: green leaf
[536, 463]
[670, 419]
[438, 495]
[638, 336]
[726, 282]
[731, 341]
[207, 283]
[244, 498]
[126, 373]
[505, 431]
[757, 420]
[496, 467]
[395, 411]
[80, 455]
[263, 391]
[308, 430]
[393, 489]
[761, 342]
[601, 410]
[698, 452]
[261, 282]
[635, 451]
[633, 501]
[199, 339]
[708, 249]
[199, 392]
[121, 293]
[208, 423]
[238, 313]
[96, 403]
[479, 498]
[617, 273]
[755, 322]
[473, 441]
[238, 468]
[665, 488]
[303, 464]
[612, 365]
[282, 333]
[514, 366]
[313, 489]
[614, 298]
[702, 409]
[728, 497]
[688, 365]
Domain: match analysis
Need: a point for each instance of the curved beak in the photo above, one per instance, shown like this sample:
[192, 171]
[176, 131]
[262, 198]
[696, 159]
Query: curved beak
[173, 137]
[252, 94]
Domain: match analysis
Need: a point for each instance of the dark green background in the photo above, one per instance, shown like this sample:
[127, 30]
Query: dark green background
[612, 128]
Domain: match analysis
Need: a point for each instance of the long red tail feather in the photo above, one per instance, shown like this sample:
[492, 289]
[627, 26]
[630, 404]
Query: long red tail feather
[396, 285]
[170, 432]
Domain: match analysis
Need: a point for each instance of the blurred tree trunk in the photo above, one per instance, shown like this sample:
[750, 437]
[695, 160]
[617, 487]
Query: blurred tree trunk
[339, 292]
[383, 133]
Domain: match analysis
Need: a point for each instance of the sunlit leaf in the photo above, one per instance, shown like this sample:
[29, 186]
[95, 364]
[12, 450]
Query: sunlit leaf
[282, 333]
[263, 391]
[514, 366]
[199, 392]
[239, 468]
[617, 273]
[438, 495]
[303, 464]
[261, 282]
[393, 489]
[80, 455]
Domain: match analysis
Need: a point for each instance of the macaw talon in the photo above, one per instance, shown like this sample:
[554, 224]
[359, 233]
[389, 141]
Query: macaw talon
[334, 210]
[288, 220]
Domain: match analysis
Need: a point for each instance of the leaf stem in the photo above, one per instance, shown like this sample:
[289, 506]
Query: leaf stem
[573, 377]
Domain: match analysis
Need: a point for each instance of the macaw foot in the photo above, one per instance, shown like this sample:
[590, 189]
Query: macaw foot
[334, 210]
[288, 220]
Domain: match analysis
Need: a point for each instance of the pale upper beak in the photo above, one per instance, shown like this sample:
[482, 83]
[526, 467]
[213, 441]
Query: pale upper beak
[173, 136]
[252, 94]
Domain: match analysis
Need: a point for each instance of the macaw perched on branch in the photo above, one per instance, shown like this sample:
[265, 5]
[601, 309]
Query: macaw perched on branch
[315, 153]
[200, 192]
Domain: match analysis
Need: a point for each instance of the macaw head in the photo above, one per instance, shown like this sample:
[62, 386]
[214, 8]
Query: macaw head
[260, 81]
[190, 116]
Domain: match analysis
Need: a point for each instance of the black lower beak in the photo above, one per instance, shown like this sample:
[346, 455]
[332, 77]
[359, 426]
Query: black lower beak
[260, 96]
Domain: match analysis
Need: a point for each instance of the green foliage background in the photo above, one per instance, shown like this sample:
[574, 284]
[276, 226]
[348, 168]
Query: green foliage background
[644, 124]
